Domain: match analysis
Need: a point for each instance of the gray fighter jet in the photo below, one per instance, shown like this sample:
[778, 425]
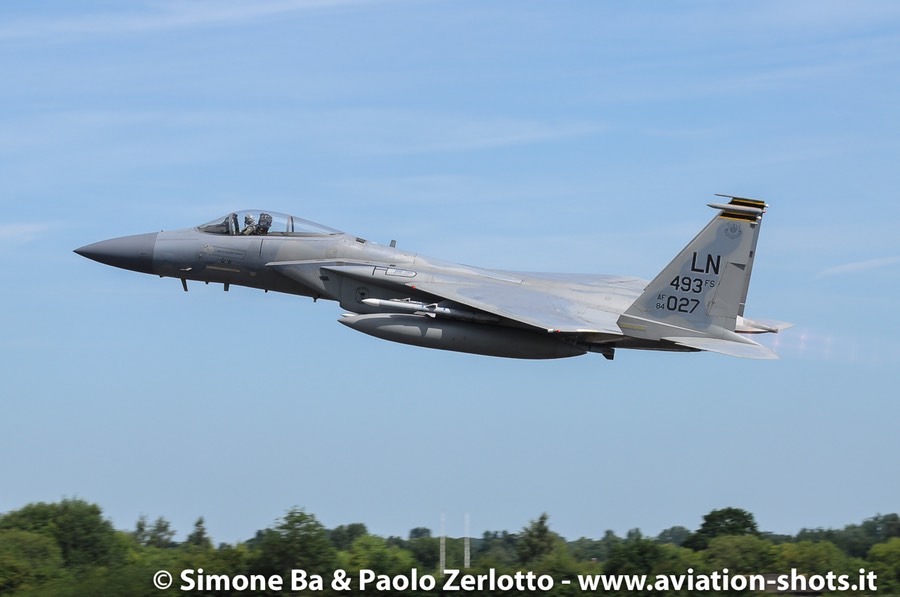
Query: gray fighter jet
[695, 303]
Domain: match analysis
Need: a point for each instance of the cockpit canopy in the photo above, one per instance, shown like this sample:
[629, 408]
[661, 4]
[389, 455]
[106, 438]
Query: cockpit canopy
[254, 222]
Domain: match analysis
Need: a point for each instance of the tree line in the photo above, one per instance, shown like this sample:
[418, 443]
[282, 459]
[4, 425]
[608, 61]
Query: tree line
[69, 549]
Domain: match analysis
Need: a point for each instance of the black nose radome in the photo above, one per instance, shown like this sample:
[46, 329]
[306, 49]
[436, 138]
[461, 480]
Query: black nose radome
[128, 252]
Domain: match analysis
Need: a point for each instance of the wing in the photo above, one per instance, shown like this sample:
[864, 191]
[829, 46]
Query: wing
[533, 301]
[543, 302]
[534, 306]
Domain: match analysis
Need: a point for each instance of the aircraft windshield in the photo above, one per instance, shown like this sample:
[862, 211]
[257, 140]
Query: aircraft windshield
[263, 223]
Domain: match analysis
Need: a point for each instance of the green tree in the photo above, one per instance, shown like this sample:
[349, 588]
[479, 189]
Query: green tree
[84, 537]
[588, 550]
[676, 535]
[857, 539]
[885, 562]
[378, 555]
[373, 553]
[342, 537]
[812, 557]
[741, 554]
[226, 558]
[26, 559]
[497, 547]
[140, 533]
[536, 540]
[634, 556]
[198, 537]
[718, 523]
[558, 563]
[610, 540]
[426, 551]
[161, 534]
[676, 560]
[297, 541]
[776, 538]
[420, 533]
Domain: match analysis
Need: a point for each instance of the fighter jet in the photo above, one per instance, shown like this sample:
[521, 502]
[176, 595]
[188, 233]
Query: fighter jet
[696, 303]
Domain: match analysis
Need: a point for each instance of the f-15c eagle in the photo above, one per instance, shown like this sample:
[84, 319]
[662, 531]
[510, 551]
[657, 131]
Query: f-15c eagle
[695, 303]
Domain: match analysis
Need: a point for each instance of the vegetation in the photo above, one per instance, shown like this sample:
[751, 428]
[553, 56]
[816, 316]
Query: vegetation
[69, 549]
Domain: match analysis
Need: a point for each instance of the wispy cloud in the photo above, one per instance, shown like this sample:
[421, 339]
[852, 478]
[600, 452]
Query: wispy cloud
[499, 133]
[22, 232]
[392, 132]
[859, 266]
[752, 49]
[366, 132]
[166, 16]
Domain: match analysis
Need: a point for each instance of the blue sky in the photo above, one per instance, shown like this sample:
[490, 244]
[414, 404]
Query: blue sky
[583, 137]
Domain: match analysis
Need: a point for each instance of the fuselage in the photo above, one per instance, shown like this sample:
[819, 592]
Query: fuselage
[377, 285]
[245, 260]
[695, 303]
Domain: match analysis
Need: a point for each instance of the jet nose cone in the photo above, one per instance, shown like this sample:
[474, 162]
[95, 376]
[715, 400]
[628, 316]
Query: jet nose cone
[128, 252]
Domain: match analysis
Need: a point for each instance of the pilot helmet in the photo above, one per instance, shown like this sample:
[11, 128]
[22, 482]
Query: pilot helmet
[248, 219]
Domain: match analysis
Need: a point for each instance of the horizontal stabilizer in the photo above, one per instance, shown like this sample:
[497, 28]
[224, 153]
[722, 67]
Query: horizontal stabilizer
[746, 350]
[760, 326]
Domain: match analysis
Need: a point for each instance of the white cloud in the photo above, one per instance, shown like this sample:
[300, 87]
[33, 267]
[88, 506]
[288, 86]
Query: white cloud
[22, 232]
[391, 132]
[859, 266]
[167, 16]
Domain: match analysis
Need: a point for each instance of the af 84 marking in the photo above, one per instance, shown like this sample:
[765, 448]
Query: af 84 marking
[675, 303]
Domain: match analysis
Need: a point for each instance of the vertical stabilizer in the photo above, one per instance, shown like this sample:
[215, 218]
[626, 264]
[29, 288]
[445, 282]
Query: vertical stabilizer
[703, 290]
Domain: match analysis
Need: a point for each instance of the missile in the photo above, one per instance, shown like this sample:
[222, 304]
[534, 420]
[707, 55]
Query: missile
[432, 310]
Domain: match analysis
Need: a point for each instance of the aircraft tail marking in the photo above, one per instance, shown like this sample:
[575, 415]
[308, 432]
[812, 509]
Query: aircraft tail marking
[702, 292]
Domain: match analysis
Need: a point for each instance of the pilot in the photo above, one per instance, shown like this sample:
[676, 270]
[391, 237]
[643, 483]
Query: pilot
[249, 226]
